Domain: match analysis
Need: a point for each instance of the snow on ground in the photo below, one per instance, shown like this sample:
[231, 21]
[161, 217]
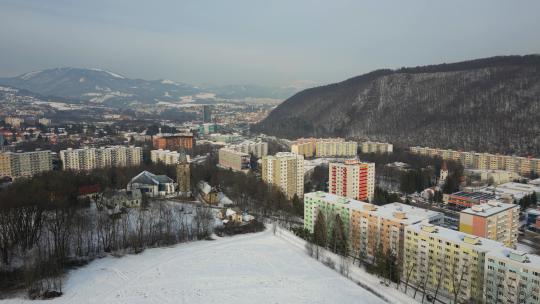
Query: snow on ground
[357, 274]
[253, 268]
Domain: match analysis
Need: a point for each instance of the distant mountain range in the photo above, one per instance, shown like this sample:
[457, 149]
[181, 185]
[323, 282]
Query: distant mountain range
[100, 86]
[490, 104]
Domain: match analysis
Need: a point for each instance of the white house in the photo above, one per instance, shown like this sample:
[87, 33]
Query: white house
[152, 185]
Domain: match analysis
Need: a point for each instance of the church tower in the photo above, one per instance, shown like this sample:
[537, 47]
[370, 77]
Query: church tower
[443, 175]
[183, 174]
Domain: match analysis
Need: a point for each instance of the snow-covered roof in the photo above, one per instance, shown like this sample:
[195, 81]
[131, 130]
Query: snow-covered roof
[489, 209]
[457, 237]
[148, 178]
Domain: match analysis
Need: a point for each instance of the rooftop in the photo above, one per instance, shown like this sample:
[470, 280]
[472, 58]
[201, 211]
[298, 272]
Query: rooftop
[514, 255]
[489, 208]
[457, 237]
[402, 213]
[477, 195]
[519, 187]
[406, 214]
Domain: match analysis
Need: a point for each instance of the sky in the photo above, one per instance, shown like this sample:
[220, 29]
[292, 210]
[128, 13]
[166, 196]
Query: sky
[274, 43]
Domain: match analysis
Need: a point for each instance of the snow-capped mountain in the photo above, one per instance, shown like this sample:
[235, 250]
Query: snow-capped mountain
[101, 86]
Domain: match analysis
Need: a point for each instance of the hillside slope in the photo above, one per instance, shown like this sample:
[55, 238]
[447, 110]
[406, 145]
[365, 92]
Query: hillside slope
[490, 104]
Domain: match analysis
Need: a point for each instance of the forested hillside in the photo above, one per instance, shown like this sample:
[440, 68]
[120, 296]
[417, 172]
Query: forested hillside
[490, 104]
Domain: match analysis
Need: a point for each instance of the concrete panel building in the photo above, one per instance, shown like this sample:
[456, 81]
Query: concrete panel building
[285, 170]
[512, 277]
[451, 260]
[368, 226]
[493, 220]
[257, 148]
[93, 158]
[352, 179]
[324, 147]
[167, 157]
[229, 158]
[24, 164]
[376, 147]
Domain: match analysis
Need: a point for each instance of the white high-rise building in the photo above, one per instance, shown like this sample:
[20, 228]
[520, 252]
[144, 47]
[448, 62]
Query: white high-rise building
[286, 171]
[258, 149]
[167, 157]
[92, 158]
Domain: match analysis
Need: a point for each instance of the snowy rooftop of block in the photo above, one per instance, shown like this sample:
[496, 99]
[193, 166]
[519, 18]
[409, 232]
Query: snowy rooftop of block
[332, 198]
[532, 260]
[489, 208]
[412, 215]
[399, 212]
[457, 237]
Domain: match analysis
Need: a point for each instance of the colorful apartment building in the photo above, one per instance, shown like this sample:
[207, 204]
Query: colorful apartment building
[448, 260]
[353, 179]
[512, 277]
[285, 170]
[176, 142]
[493, 220]
[330, 205]
[368, 226]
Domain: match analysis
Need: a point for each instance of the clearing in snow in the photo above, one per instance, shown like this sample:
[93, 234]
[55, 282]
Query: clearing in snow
[252, 268]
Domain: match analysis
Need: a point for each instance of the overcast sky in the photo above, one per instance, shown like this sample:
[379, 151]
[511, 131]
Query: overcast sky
[267, 42]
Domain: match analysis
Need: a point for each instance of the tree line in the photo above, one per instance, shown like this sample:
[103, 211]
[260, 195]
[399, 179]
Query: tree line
[46, 228]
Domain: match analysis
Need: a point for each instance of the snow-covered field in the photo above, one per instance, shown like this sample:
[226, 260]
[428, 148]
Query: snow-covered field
[254, 268]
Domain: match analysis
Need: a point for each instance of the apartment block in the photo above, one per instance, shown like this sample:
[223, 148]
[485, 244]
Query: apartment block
[176, 142]
[166, 156]
[258, 149]
[324, 147]
[376, 147]
[369, 226]
[512, 277]
[330, 205]
[285, 170]
[24, 164]
[336, 148]
[484, 161]
[493, 220]
[353, 179]
[449, 260]
[93, 158]
[235, 160]
[14, 121]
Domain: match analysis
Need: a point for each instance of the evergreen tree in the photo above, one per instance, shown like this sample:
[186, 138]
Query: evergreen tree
[338, 240]
[298, 205]
[320, 233]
